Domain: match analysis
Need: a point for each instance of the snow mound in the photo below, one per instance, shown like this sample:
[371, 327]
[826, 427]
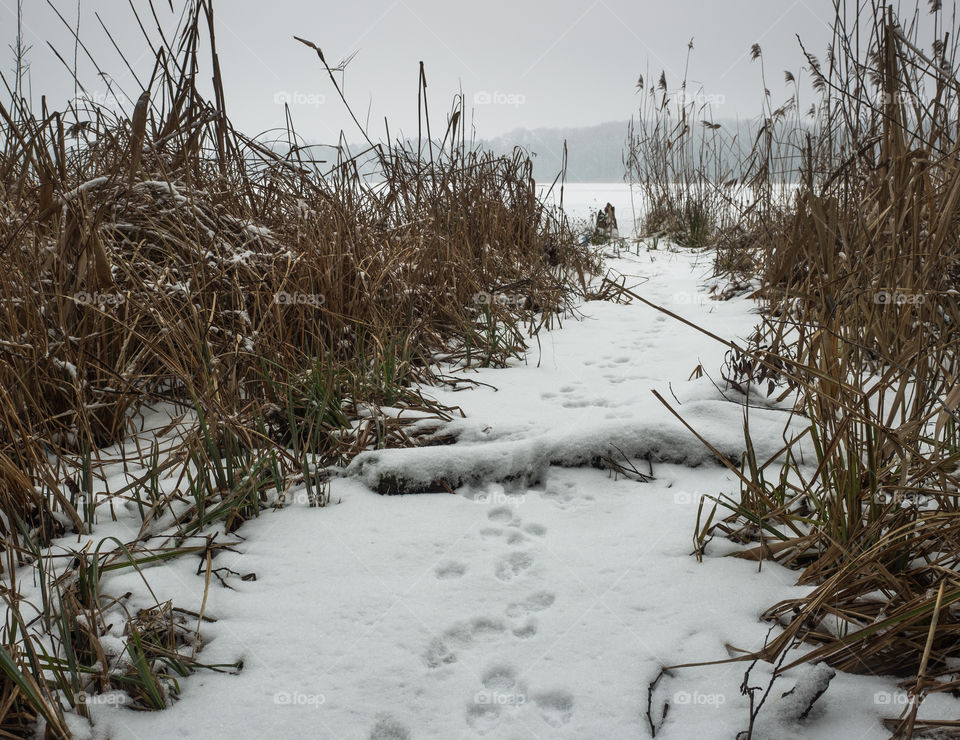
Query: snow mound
[812, 683]
[657, 438]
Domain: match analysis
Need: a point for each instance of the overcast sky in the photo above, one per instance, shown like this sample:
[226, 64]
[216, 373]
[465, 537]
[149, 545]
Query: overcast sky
[520, 63]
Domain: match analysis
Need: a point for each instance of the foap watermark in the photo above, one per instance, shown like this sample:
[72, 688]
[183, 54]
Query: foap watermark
[899, 498]
[695, 698]
[496, 97]
[686, 498]
[316, 300]
[689, 298]
[103, 101]
[99, 299]
[301, 497]
[891, 698]
[898, 298]
[699, 99]
[298, 699]
[111, 699]
[899, 97]
[500, 299]
[500, 498]
[296, 98]
[500, 698]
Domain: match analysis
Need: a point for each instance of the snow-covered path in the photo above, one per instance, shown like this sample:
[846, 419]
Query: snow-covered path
[511, 611]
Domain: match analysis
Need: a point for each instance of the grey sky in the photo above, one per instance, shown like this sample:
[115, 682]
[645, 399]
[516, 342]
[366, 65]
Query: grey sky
[539, 64]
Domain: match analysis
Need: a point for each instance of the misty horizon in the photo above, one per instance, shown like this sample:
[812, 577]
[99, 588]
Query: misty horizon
[516, 68]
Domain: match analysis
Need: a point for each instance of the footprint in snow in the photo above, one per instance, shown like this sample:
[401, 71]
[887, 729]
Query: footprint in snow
[449, 571]
[512, 565]
[389, 729]
[565, 495]
[536, 602]
[582, 403]
[556, 707]
[535, 529]
[483, 718]
[526, 630]
[500, 678]
[476, 627]
[501, 514]
[501, 691]
[462, 635]
[515, 538]
[438, 654]
[490, 533]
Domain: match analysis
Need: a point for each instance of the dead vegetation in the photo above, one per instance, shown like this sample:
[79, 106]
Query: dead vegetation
[860, 284]
[851, 222]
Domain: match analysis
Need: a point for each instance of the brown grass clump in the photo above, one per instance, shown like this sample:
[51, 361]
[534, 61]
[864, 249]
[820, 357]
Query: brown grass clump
[860, 273]
[675, 156]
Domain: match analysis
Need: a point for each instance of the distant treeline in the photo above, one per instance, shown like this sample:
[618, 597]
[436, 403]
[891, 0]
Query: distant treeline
[596, 153]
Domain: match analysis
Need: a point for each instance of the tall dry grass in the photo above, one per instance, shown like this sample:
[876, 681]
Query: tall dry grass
[708, 181]
[860, 288]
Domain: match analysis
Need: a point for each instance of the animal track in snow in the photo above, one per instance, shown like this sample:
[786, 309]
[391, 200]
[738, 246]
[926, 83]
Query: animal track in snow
[515, 538]
[483, 718]
[556, 707]
[536, 602]
[512, 565]
[501, 514]
[478, 627]
[438, 654]
[564, 495]
[451, 570]
[389, 729]
[582, 403]
[502, 692]
[526, 630]
[462, 635]
[500, 678]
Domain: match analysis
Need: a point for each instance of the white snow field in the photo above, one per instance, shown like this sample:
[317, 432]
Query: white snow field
[544, 598]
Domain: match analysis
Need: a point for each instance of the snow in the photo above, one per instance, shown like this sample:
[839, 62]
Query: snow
[813, 682]
[72, 195]
[545, 597]
[651, 434]
[69, 367]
